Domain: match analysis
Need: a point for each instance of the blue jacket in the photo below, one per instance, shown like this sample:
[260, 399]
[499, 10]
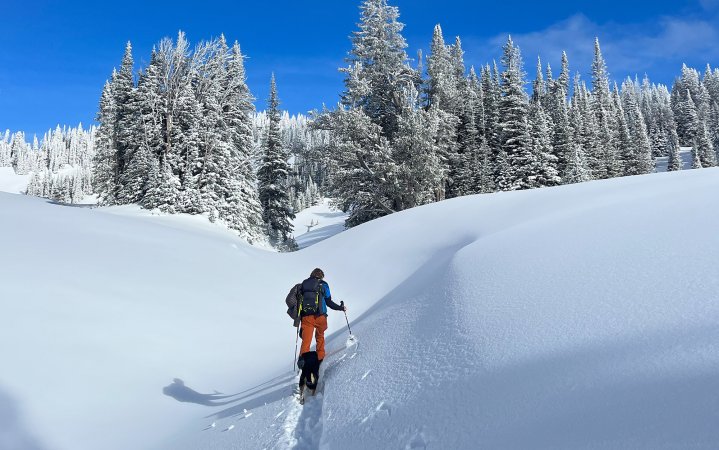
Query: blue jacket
[326, 300]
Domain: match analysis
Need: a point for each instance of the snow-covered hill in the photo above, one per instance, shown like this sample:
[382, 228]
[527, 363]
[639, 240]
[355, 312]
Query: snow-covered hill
[581, 316]
[10, 182]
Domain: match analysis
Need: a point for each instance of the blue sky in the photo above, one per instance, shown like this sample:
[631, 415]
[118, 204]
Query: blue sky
[55, 56]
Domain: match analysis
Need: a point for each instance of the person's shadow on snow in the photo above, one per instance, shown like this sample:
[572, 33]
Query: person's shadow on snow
[182, 393]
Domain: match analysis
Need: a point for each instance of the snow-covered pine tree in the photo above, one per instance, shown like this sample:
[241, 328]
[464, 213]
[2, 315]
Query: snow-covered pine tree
[513, 106]
[589, 131]
[445, 68]
[484, 178]
[713, 127]
[474, 83]
[462, 113]
[621, 137]
[240, 207]
[545, 173]
[162, 124]
[711, 83]
[272, 178]
[490, 102]
[605, 155]
[687, 86]
[212, 180]
[163, 187]
[696, 156]
[502, 179]
[34, 186]
[377, 79]
[147, 142]
[420, 174]
[689, 119]
[539, 86]
[549, 81]
[23, 158]
[641, 160]
[378, 71]
[675, 161]
[467, 167]
[441, 82]
[186, 160]
[576, 171]
[5, 149]
[694, 128]
[561, 132]
[564, 77]
[459, 70]
[363, 169]
[562, 139]
[706, 150]
[125, 124]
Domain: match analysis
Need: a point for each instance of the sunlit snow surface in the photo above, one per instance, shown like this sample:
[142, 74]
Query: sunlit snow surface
[318, 223]
[582, 316]
[10, 182]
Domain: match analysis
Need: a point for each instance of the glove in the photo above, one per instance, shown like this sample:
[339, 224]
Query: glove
[342, 304]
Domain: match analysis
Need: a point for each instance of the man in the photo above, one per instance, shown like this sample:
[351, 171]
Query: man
[316, 298]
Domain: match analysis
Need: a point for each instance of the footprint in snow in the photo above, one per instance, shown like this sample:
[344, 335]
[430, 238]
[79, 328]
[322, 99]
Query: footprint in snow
[228, 428]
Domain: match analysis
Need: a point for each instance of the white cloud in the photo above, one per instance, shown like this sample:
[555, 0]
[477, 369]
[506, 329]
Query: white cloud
[629, 49]
[709, 4]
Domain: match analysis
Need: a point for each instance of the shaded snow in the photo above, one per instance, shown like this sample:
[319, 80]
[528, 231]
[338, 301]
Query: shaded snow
[581, 316]
[685, 153]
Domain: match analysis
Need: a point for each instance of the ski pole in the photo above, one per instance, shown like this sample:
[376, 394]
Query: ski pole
[297, 338]
[342, 304]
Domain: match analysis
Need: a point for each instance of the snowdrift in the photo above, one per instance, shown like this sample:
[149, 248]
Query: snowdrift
[574, 317]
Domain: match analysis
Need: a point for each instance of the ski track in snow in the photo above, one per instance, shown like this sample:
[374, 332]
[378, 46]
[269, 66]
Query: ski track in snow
[303, 425]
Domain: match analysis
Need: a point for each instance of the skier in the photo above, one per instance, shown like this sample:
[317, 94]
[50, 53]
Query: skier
[316, 298]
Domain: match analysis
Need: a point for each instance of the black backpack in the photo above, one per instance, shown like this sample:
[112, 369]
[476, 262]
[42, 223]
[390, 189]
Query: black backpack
[293, 301]
[311, 290]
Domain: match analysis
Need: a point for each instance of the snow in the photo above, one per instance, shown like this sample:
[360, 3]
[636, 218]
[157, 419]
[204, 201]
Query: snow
[318, 223]
[686, 155]
[10, 182]
[581, 316]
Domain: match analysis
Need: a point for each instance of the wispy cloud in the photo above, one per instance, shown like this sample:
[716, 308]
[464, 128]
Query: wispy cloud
[709, 4]
[660, 46]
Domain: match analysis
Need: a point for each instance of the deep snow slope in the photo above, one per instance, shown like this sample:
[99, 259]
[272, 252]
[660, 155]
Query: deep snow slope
[575, 317]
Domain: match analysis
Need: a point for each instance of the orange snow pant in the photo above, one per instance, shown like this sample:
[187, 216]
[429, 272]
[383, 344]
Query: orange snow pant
[318, 324]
